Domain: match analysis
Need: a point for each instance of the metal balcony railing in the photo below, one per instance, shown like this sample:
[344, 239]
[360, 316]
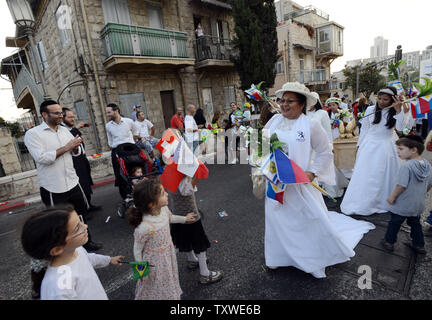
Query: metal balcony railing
[127, 40]
[25, 79]
[308, 76]
[208, 47]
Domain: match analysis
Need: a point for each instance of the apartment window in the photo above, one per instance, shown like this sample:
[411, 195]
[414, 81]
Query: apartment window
[63, 24]
[220, 31]
[280, 67]
[324, 40]
[80, 110]
[116, 11]
[229, 94]
[155, 17]
[43, 61]
[128, 100]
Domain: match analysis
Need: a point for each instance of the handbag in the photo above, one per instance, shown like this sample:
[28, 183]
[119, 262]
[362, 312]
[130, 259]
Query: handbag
[259, 183]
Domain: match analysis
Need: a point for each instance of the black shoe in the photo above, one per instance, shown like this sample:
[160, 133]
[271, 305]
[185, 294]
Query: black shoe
[387, 246]
[92, 246]
[417, 249]
[94, 208]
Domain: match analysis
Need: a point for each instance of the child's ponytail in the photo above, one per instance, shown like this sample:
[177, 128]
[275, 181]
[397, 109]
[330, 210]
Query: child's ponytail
[42, 232]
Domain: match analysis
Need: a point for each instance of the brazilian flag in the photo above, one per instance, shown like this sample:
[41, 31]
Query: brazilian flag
[140, 269]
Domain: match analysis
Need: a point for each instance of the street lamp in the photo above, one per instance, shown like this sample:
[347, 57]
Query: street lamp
[23, 18]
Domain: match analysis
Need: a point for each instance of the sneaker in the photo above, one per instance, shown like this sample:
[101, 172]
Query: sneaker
[213, 277]
[417, 249]
[387, 246]
[428, 224]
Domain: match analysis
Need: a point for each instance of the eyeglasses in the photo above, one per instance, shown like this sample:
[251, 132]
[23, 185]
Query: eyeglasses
[288, 101]
[56, 113]
[82, 228]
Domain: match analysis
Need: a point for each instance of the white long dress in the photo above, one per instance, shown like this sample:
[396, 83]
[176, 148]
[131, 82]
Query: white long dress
[376, 167]
[301, 232]
[337, 188]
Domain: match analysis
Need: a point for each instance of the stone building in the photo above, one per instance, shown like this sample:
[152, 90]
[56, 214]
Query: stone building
[308, 43]
[94, 52]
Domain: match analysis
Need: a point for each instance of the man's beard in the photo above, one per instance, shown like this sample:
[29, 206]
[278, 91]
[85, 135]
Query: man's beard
[68, 123]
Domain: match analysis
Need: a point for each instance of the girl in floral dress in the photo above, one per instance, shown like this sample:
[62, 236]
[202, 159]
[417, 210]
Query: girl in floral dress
[151, 218]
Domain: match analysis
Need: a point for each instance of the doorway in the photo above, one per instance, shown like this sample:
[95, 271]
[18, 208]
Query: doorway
[168, 106]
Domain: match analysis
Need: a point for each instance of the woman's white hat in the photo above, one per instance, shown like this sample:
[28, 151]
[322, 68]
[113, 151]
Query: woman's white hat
[299, 88]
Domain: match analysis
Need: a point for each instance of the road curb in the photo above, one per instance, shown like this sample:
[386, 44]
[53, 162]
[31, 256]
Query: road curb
[37, 199]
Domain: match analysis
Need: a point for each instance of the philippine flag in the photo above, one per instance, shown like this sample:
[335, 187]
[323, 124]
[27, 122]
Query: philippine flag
[254, 93]
[415, 110]
[288, 171]
[425, 104]
[275, 193]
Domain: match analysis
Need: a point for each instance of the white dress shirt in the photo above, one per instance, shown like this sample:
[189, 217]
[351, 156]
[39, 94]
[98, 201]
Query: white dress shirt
[56, 175]
[120, 133]
[144, 128]
[190, 125]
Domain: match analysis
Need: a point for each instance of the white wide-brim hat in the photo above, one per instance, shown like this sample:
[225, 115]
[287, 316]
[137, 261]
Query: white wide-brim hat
[300, 89]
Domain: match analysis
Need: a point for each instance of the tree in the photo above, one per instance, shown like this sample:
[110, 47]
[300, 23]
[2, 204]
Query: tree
[14, 127]
[370, 79]
[255, 44]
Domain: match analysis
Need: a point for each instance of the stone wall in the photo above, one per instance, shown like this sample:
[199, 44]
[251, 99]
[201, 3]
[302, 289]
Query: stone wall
[26, 183]
[8, 154]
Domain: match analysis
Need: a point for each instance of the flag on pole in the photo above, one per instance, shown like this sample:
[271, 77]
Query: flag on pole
[140, 269]
[273, 192]
[287, 170]
[416, 111]
[254, 94]
[425, 104]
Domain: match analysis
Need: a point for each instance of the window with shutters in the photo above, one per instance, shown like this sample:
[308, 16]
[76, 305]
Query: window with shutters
[116, 11]
[63, 24]
[155, 17]
[43, 61]
[229, 94]
[81, 112]
[280, 67]
[129, 100]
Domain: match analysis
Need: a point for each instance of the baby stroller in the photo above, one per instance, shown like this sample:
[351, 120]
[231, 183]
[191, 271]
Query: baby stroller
[130, 156]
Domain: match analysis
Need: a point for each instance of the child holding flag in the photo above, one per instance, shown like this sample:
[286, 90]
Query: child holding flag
[191, 238]
[56, 236]
[151, 218]
[407, 201]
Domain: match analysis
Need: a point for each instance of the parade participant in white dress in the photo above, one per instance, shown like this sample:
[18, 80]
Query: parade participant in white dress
[377, 162]
[301, 232]
[316, 112]
[334, 112]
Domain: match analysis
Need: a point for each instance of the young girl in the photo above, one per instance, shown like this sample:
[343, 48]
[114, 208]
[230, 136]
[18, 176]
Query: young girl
[191, 238]
[377, 163]
[56, 235]
[333, 105]
[151, 218]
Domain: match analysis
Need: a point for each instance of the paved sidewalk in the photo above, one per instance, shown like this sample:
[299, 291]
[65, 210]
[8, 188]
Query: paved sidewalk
[34, 200]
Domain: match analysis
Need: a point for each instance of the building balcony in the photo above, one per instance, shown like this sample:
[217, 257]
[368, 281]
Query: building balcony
[134, 49]
[25, 89]
[213, 53]
[310, 77]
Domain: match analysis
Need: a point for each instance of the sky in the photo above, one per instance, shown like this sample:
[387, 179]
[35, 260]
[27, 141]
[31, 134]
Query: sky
[403, 22]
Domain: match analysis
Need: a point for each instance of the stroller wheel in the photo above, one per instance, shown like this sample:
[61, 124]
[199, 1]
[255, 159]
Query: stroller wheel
[121, 210]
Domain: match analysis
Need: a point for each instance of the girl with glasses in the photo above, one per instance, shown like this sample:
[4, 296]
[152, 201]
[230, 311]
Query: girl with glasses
[64, 270]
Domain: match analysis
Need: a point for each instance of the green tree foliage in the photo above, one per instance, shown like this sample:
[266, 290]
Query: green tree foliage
[14, 127]
[255, 44]
[370, 79]
[392, 70]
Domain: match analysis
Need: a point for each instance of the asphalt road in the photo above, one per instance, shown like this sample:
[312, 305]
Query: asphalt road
[237, 248]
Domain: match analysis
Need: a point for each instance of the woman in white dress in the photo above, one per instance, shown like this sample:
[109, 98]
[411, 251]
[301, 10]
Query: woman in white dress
[301, 232]
[377, 163]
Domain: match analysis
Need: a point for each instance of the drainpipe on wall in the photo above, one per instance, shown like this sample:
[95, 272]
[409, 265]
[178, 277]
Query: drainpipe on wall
[199, 89]
[95, 72]
[182, 87]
